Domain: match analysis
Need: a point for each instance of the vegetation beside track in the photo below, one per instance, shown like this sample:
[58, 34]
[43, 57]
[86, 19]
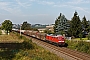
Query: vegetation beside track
[0, 32]
[25, 50]
[79, 46]
[80, 39]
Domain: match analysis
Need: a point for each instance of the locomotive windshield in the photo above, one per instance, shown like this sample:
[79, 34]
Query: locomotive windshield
[60, 38]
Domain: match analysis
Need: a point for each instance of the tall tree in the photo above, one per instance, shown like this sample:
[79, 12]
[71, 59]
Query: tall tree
[57, 23]
[56, 26]
[84, 23]
[88, 26]
[75, 26]
[7, 25]
[61, 25]
[26, 26]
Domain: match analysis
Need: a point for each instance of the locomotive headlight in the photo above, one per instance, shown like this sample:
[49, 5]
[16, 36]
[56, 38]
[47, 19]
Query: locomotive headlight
[60, 41]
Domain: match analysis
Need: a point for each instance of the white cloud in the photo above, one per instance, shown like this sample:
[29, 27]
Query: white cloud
[81, 9]
[71, 5]
[21, 4]
[78, 2]
[60, 5]
[3, 4]
[46, 3]
[31, 0]
[24, 4]
[86, 10]
[6, 6]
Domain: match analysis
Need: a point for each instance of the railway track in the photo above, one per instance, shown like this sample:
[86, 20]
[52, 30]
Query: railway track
[65, 53]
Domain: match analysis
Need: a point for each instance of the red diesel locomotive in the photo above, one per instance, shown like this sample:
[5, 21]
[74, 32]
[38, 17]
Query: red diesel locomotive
[59, 39]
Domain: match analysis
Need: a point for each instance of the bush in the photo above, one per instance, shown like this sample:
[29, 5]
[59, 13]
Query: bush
[80, 35]
[88, 36]
[27, 45]
[83, 46]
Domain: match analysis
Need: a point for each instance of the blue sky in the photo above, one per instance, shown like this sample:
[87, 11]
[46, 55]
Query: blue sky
[42, 11]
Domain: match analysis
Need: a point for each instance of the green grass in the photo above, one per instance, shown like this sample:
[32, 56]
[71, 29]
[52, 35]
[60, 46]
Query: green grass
[26, 51]
[79, 39]
[0, 32]
[79, 46]
[12, 37]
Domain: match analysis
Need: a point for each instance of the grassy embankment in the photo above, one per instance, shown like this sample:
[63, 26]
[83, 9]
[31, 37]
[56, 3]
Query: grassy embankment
[81, 39]
[79, 45]
[25, 50]
[0, 32]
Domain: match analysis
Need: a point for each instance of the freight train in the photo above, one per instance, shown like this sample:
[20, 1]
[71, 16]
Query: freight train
[59, 40]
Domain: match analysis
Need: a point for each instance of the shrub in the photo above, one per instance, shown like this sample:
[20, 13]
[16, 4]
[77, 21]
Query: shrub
[27, 45]
[88, 36]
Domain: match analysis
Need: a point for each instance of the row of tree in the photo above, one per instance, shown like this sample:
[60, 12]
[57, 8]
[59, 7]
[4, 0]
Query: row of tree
[77, 28]
[7, 26]
[27, 26]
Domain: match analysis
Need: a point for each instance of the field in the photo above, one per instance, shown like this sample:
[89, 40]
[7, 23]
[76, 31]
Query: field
[23, 49]
[10, 38]
[79, 39]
